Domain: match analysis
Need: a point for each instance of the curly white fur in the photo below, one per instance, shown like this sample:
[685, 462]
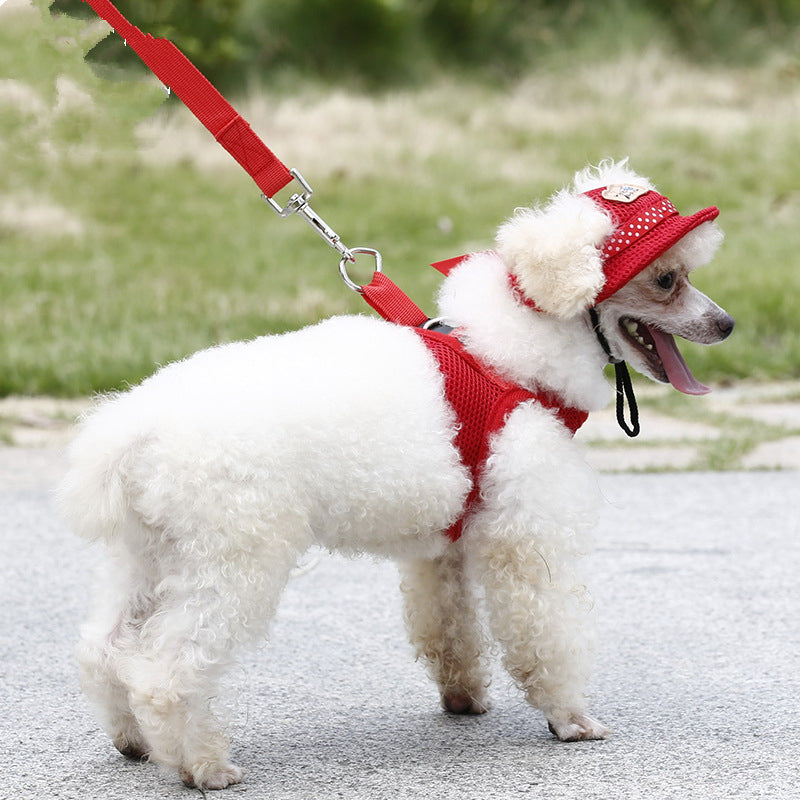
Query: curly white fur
[555, 250]
[210, 479]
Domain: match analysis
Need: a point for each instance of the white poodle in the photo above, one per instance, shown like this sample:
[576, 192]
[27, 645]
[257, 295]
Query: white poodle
[209, 480]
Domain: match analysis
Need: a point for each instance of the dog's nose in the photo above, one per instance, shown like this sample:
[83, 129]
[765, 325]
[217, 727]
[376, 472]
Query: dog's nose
[725, 324]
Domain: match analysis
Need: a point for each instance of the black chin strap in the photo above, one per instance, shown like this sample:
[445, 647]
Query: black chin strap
[624, 384]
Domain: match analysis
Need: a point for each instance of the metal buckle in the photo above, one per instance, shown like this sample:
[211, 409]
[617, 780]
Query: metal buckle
[298, 204]
[296, 201]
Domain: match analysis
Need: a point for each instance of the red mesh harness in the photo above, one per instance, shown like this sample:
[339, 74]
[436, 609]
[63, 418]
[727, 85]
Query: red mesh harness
[480, 398]
[482, 402]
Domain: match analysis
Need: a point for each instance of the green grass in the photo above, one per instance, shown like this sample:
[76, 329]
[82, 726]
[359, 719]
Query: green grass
[127, 240]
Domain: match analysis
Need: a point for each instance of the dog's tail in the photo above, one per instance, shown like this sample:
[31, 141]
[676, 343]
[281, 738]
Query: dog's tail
[92, 498]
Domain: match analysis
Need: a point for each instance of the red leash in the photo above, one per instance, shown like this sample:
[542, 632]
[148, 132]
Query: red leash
[176, 72]
[270, 174]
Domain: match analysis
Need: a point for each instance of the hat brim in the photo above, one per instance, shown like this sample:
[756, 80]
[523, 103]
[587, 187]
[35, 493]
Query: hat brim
[622, 267]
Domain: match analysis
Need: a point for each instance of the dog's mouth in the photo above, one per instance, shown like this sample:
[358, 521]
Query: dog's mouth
[662, 356]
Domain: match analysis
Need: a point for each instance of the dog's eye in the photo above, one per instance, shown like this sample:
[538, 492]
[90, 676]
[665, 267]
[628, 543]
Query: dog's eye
[667, 280]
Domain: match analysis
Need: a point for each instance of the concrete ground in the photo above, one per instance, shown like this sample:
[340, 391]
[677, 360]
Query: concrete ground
[698, 664]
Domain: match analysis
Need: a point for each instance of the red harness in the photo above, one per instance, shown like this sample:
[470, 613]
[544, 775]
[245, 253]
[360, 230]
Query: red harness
[480, 398]
[482, 402]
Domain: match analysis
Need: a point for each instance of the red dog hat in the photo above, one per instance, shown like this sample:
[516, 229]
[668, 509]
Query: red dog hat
[646, 225]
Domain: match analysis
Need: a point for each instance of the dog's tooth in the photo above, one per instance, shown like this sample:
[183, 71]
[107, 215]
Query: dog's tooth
[631, 326]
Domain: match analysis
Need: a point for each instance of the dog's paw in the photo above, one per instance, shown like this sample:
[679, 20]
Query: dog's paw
[217, 778]
[462, 703]
[131, 747]
[577, 728]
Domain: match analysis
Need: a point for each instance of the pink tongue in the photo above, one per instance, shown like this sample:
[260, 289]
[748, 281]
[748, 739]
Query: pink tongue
[678, 372]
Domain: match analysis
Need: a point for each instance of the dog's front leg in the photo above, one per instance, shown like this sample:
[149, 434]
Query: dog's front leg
[444, 629]
[538, 499]
[537, 608]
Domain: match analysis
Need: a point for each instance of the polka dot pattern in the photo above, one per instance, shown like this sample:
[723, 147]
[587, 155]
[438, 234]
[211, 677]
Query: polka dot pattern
[647, 220]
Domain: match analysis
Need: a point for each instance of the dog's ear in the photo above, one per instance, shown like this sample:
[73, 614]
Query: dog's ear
[555, 252]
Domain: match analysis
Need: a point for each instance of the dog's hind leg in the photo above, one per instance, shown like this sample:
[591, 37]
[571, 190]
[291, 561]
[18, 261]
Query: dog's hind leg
[212, 598]
[171, 692]
[537, 609]
[444, 629]
[120, 605]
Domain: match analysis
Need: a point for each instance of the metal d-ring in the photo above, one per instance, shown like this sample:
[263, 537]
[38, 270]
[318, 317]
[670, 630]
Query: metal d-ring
[351, 284]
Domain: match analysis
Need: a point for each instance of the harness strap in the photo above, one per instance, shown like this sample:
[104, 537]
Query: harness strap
[391, 302]
[175, 70]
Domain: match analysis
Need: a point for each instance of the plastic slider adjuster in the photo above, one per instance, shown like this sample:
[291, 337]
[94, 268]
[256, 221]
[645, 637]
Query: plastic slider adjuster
[298, 204]
[438, 325]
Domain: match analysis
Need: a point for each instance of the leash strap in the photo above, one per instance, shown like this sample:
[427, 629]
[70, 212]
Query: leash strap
[176, 72]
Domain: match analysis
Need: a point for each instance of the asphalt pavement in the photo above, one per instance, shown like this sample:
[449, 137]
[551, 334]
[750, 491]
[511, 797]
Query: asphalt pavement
[698, 665]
